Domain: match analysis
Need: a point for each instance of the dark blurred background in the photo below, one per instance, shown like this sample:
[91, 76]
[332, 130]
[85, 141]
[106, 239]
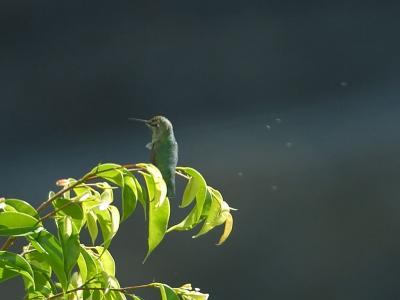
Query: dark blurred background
[290, 108]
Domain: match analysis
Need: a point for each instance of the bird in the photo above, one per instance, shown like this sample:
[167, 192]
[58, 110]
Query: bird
[163, 149]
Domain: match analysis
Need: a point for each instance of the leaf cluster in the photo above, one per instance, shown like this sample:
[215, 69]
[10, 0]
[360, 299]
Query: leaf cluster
[57, 265]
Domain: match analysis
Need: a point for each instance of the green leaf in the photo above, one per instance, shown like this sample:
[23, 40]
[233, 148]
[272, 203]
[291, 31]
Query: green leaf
[114, 295]
[217, 213]
[110, 172]
[12, 265]
[106, 260]
[75, 282]
[104, 219]
[188, 223]
[115, 219]
[91, 222]
[21, 206]
[69, 237]
[190, 192]
[160, 187]
[82, 190]
[17, 224]
[38, 262]
[141, 196]
[42, 274]
[196, 188]
[47, 244]
[67, 208]
[106, 198]
[227, 229]
[167, 293]
[150, 186]
[187, 293]
[42, 288]
[207, 203]
[89, 267]
[158, 223]
[129, 197]
[109, 223]
[192, 220]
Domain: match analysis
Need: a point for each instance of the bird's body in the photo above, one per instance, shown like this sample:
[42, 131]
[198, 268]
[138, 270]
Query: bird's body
[163, 149]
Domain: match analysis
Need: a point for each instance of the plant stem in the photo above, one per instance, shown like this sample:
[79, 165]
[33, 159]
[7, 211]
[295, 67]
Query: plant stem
[10, 241]
[131, 167]
[121, 290]
[182, 175]
[59, 193]
[52, 213]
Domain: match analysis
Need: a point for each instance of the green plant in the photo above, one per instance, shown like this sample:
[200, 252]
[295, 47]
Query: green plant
[59, 266]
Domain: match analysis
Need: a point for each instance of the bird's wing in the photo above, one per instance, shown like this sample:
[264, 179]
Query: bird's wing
[153, 155]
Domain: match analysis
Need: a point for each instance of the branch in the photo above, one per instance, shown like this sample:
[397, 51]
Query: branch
[10, 241]
[131, 167]
[52, 213]
[45, 204]
[83, 288]
[182, 175]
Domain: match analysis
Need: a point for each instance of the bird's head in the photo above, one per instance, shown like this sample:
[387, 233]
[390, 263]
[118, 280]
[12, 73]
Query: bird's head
[159, 125]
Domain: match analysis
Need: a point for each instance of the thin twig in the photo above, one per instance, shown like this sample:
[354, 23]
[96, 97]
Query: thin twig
[182, 175]
[64, 190]
[10, 241]
[83, 288]
[131, 167]
[52, 213]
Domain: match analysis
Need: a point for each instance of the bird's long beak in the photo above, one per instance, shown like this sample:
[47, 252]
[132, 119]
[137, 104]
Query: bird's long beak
[139, 120]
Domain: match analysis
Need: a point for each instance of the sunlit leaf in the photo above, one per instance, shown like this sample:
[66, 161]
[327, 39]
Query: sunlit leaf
[115, 219]
[74, 210]
[91, 222]
[129, 197]
[114, 295]
[12, 265]
[38, 262]
[109, 222]
[217, 213]
[160, 187]
[47, 244]
[191, 220]
[227, 229]
[69, 237]
[82, 190]
[190, 192]
[106, 198]
[167, 293]
[87, 265]
[196, 187]
[42, 288]
[186, 293]
[21, 206]
[13, 223]
[110, 172]
[106, 260]
[158, 223]
[186, 224]
[141, 194]
[150, 191]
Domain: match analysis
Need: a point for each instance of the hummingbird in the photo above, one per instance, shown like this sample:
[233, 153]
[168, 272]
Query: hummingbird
[163, 149]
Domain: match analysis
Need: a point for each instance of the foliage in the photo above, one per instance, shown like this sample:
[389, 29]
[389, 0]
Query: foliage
[59, 266]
